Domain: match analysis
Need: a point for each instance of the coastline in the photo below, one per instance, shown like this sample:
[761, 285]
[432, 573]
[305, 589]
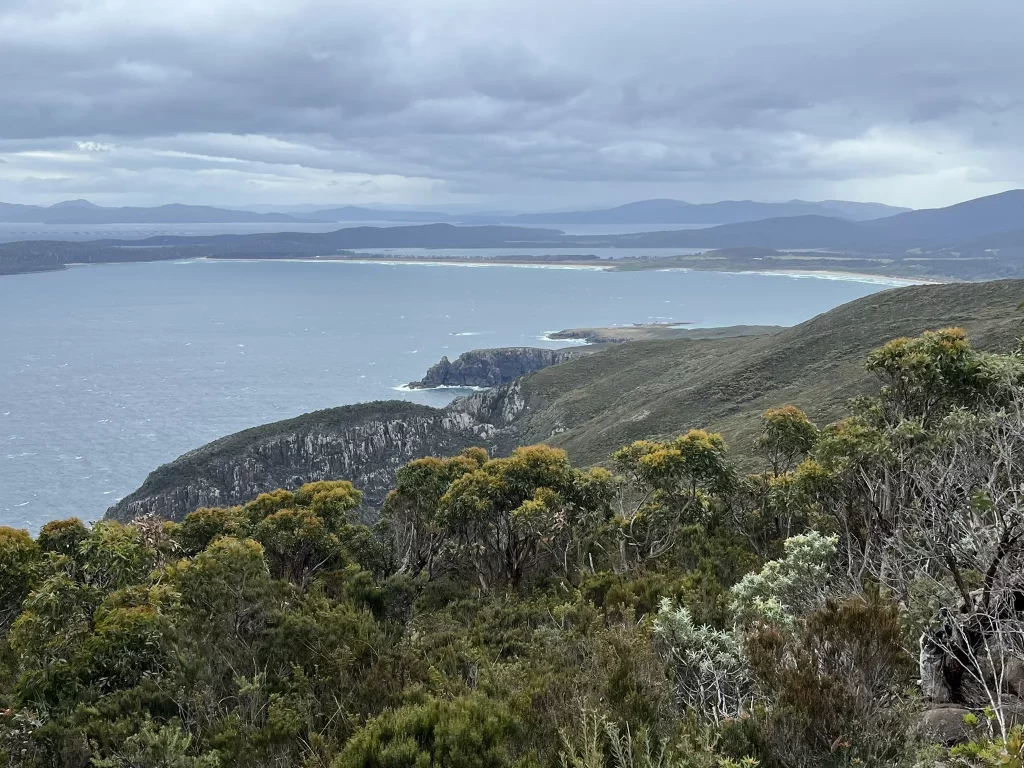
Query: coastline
[535, 264]
[825, 274]
[605, 266]
[895, 280]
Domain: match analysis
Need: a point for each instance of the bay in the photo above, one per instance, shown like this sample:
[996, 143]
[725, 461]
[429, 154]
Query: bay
[107, 372]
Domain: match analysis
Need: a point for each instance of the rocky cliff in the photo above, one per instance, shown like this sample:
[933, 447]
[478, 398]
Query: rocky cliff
[364, 443]
[491, 367]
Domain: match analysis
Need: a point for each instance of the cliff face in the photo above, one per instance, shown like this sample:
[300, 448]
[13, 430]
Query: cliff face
[491, 367]
[365, 444]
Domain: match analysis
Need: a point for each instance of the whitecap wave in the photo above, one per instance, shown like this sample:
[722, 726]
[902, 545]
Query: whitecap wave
[547, 336]
[407, 388]
[848, 277]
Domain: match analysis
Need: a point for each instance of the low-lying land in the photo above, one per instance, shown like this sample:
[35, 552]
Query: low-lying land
[923, 266]
[618, 334]
[976, 240]
[484, 368]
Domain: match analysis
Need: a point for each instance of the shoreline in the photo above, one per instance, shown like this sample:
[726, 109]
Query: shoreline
[824, 274]
[431, 262]
[895, 280]
[605, 266]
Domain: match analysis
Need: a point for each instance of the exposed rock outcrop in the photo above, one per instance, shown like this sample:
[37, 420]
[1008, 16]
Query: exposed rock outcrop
[363, 443]
[366, 444]
[946, 725]
[969, 659]
[491, 367]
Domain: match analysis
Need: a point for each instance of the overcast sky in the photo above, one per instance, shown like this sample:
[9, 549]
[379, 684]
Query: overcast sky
[525, 104]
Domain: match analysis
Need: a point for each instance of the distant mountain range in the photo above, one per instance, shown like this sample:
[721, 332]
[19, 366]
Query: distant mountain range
[726, 212]
[352, 213]
[996, 219]
[970, 220]
[961, 223]
[654, 212]
[418, 236]
[644, 212]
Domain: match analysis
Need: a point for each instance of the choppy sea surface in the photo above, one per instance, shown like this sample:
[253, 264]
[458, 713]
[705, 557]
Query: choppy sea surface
[107, 372]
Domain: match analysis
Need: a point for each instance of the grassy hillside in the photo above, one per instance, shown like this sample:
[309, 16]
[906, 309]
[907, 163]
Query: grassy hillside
[593, 405]
[958, 223]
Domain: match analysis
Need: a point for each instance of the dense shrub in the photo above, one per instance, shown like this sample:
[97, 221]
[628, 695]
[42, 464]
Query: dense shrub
[521, 611]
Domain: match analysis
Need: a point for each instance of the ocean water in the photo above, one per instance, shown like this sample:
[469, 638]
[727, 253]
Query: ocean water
[107, 372]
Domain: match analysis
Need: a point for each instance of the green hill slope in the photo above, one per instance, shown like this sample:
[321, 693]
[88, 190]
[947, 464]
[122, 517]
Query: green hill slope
[593, 405]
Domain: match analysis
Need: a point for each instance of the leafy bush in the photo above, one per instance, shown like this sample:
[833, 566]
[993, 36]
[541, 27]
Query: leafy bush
[521, 611]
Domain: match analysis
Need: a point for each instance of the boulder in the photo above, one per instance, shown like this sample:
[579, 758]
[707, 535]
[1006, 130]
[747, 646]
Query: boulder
[945, 725]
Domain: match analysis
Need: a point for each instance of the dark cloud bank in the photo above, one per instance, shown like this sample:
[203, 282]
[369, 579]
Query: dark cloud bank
[525, 105]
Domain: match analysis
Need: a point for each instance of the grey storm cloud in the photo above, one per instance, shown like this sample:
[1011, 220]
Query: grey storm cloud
[534, 103]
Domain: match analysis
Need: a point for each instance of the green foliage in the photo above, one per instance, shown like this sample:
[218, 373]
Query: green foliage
[587, 745]
[203, 526]
[19, 558]
[330, 500]
[986, 751]
[113, 556]
[126, 645]
[924, 376]
[694, 461]
[709, 667]
[784, 589]
[224, 588]
[834, 691]
[597, 742]
[786, 435]
[523, 611]
[166, 746]
[62, 537]
[297, 544]
[411, 509]
[518, 517]
[468, 732]
[670, 484]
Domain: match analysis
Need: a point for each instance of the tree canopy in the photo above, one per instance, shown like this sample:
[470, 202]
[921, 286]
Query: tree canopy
[665, 609]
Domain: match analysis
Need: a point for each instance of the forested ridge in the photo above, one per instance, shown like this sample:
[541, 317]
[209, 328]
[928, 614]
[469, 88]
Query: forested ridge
[857, 599]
